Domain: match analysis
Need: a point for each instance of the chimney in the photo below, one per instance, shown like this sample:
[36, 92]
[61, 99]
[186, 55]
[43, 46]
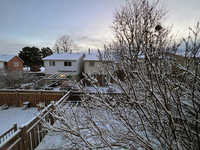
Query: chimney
[89, 51]
[57, 50]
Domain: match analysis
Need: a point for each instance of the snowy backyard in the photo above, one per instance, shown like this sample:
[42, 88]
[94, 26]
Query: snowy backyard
[15, 115]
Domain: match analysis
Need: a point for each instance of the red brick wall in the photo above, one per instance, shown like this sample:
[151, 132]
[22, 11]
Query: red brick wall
[10, 64]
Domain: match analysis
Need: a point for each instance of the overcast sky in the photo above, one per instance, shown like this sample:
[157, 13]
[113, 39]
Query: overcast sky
[40, 22]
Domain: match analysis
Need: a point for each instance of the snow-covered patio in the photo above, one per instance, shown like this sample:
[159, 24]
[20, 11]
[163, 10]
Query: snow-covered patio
[52, 140]
[15, 115]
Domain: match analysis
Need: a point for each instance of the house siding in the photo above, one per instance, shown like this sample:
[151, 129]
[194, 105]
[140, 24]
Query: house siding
[80, 65]
[1, 64]
[94, 70]
[59, 65]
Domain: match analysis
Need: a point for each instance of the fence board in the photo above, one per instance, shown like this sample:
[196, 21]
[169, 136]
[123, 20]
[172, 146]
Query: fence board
[17, 97]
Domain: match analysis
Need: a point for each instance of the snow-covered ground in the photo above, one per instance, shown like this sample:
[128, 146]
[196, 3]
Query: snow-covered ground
[15, 115]
[53, 140]
[42, 69]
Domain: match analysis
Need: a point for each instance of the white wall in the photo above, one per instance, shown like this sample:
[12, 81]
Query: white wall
[76, 66]
[94, 68]
[80, 65]
[1, 64]
[59, 65]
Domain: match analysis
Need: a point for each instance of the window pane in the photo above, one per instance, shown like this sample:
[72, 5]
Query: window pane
[106, 79]
[16, 64]
[51, 63]
[91, 63]
[67, 63]
[93, 75]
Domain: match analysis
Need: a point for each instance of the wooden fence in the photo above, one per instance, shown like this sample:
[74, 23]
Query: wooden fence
[31, 134]
[17, 97]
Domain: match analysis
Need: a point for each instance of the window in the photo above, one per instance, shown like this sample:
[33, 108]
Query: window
[93, 75]
[16, 64]
[68, 63]
[106, 79]
[51, 63]
[91, 63]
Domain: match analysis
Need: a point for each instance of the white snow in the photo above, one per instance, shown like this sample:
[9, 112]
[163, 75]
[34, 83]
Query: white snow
[64, 56]
[15, 115]
[52, 140]
[6, 57]
[42, 70]
[91, 57]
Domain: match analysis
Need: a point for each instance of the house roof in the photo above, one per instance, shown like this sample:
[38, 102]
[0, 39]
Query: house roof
[91, 57]
[94, 57]
[64, 56]
[6, 57]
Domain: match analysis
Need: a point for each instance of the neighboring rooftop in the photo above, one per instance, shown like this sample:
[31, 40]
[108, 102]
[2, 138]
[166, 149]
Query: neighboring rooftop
[94, 57]
[91, 57]
[64, 56]
[6, 57]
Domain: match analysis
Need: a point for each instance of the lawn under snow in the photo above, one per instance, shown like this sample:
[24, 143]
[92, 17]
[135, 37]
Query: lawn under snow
[15, 115]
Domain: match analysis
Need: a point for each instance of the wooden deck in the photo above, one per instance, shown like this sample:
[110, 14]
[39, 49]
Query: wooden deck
[30, 135]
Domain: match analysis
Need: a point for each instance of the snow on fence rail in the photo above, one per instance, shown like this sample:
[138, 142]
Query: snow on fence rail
[31, 134]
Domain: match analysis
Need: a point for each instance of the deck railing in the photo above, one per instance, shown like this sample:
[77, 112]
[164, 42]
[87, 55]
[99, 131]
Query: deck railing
[31, 134]
[8, 133]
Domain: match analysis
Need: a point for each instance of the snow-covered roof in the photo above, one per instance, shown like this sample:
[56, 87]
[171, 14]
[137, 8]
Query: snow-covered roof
[64, 56]
[94, 57]
[6, 57]
[91, 57]
[1, 60]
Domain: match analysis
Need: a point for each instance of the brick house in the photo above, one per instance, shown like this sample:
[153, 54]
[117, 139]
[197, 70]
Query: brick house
[91, 61]
[12, 62]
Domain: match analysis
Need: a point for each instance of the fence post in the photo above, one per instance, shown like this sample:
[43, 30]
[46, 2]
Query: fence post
[23, 144]
[15, 127]
[51, 116]
[16, 99]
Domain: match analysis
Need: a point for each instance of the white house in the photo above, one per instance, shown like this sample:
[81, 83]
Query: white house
[92, 64]
[70, 64]
[1, 63]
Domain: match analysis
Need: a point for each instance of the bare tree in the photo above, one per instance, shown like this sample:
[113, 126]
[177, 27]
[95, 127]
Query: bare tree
[158, 107]
[10, 79]
[64, 44]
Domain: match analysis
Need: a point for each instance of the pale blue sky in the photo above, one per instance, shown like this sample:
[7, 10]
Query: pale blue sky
[40, 22]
